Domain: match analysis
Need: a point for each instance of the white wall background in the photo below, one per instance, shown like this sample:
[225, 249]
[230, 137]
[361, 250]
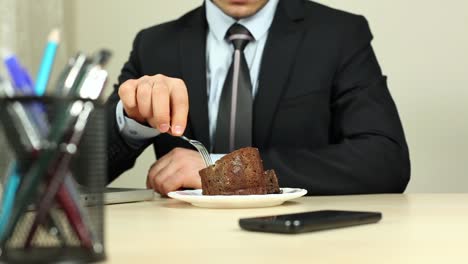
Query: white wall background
[422, 45]
[24, 27]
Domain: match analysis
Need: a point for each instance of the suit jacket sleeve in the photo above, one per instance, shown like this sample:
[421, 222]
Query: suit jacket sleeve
[121, 156]
[368, 152]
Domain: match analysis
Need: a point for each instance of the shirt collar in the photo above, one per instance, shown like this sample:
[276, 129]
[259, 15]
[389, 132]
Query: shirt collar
[258, 24]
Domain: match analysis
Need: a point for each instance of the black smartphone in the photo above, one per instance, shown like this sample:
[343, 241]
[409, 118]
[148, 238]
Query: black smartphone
[309, 221]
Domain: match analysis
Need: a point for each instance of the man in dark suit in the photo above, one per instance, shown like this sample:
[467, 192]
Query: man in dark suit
[322, 115]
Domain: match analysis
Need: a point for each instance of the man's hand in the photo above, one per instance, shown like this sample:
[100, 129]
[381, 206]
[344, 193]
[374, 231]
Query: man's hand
[159, 100]
[177, 169]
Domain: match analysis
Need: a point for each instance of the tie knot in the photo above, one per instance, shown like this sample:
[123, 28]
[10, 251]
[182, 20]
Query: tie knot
[239, 36]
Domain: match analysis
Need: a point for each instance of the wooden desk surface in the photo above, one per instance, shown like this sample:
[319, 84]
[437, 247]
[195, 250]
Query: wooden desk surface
[417, 228]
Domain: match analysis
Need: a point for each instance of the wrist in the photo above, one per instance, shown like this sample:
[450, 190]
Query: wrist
[131, 129]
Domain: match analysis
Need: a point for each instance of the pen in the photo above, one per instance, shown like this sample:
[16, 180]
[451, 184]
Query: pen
[60, 83]
[88, 84]
[71, 186]
[73, 211]
[16, 72]
[95, 79]
[23, 135]
[6, 90]
[36, 109]
[74, 76]
[73, 214]
[61, 171]
[36, 173]
[84, 78]
[23, 85]
[11, 186]
[49, 157]
[24, 139]
[17, 116]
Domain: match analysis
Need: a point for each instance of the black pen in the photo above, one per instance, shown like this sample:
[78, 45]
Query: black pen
[17, 121]
[73, 78]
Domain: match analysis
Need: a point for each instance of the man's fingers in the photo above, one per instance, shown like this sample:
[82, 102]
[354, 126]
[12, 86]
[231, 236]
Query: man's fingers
[161, 106]
[179, 107]
[160, 165]
[127, 94]
[178, 168]
[172, 183]
[150, 176]
[163, 176]
[159, 100]
[144, 91]
[149, 184]
[156, 167]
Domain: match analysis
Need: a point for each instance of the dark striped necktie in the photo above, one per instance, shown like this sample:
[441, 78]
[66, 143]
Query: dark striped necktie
[234, 122]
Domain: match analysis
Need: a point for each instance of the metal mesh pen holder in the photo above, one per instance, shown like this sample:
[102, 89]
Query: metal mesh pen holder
[51, 190]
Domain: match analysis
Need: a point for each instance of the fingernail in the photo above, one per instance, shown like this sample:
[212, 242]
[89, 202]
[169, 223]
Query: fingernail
[178, 130]
[164, 128]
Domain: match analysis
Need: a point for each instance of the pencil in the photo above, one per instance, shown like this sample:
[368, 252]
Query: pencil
[47, 62]
[8, 201]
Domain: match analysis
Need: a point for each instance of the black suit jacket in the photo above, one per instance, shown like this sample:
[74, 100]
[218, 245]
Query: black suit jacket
[323, 116]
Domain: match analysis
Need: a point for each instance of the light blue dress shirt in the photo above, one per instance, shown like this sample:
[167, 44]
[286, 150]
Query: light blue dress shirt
[218, 57]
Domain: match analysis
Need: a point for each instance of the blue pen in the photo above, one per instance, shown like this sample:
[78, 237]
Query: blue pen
[47, 62]
[17, 74]
[27, 79]
[23, 84]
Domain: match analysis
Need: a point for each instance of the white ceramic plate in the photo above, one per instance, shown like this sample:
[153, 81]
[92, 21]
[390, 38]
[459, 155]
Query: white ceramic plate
[196, 198]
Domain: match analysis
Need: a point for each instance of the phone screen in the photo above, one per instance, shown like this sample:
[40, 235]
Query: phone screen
[309, 221]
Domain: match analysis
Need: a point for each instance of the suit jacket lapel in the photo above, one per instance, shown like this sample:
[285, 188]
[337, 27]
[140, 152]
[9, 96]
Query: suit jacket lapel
[193, 63]
[285, 34]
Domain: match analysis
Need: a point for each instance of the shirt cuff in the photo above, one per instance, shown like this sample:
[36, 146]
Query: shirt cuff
[216, 157]
[134, 133]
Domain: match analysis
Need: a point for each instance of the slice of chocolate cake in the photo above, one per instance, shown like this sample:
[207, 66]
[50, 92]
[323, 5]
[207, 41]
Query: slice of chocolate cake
[272, 182]
[239, 173]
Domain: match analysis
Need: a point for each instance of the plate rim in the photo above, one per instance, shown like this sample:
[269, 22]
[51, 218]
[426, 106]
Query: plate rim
[297, 192]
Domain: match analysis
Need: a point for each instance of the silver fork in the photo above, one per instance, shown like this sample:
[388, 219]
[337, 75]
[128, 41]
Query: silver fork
[201, 149]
